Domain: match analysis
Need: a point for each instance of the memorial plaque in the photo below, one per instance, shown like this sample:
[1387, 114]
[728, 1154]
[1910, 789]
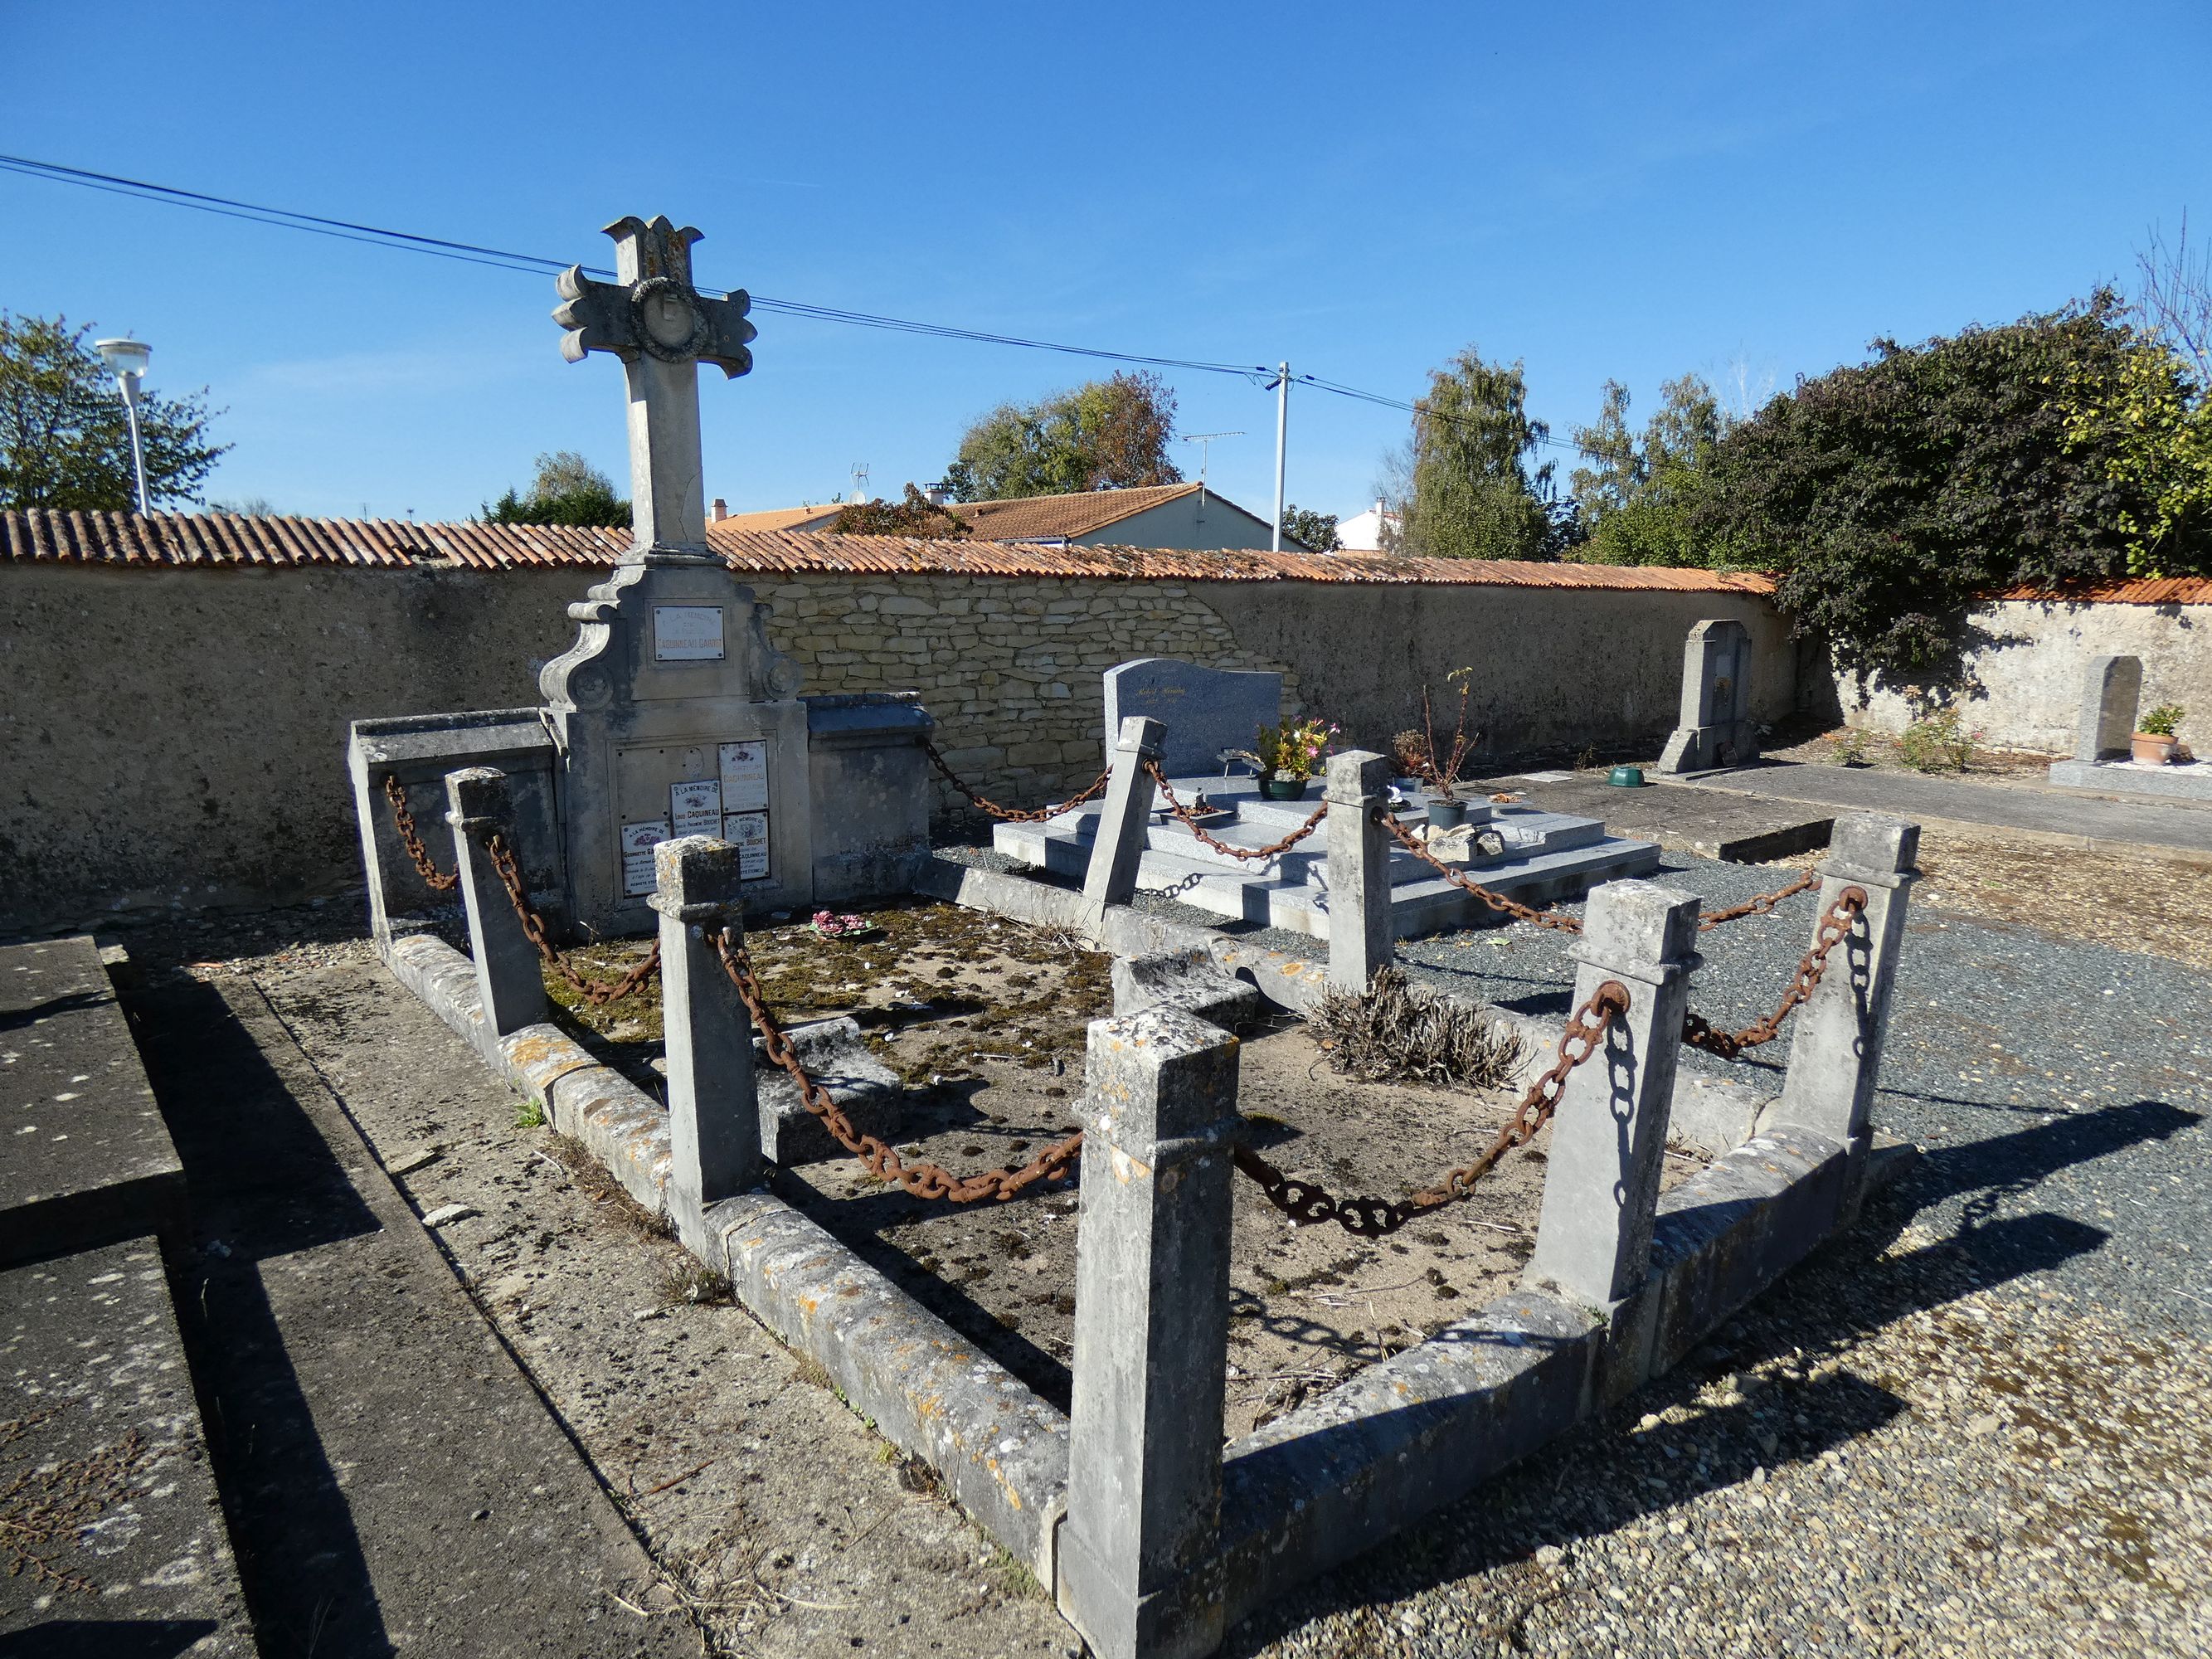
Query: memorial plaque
[745, 776]
[696, 808]
[748, 833]
[687, 633]
[638, 840]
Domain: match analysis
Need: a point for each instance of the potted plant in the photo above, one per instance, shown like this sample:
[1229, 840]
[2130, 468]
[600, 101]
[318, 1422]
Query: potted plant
[2154, 742]
[1289, 756]
[1440, 770]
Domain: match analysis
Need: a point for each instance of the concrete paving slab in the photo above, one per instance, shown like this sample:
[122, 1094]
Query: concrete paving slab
[395, 1481]
[85, 1159]
[2085, 822]
[114, 1533]
[1737, 829]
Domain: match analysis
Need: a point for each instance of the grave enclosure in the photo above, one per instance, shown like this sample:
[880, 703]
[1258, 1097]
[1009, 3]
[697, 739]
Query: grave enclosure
[677, 777]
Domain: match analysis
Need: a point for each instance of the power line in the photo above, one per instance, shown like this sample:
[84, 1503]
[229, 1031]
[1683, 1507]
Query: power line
[476, 253]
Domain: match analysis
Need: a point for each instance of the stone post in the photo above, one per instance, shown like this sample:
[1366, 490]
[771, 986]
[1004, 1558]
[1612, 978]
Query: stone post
[509, 981]
[1139, 1567]
[1112, 876]
[2110, 696]
[713, 1115]
[1359, 932]
[1601, 1188]
[1835, 1053]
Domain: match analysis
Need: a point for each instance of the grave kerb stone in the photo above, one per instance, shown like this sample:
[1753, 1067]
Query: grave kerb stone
[509, 981]
[1118, 844]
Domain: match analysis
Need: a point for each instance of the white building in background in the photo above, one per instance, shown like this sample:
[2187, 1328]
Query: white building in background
[1363, 531]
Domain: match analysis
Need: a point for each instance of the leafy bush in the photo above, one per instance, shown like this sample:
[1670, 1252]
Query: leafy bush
[2161, 721]
[1851, 748]
[1938, 742]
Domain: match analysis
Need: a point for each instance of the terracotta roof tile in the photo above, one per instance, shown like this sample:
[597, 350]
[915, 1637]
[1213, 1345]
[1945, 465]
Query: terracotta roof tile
[219, 538]
[783, 518]
[2148, 590]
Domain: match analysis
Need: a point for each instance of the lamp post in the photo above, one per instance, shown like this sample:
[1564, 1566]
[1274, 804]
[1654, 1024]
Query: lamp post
[127, 360]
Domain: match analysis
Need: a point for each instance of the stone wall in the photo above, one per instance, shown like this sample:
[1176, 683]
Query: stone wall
[2025, 685]
[174, 737]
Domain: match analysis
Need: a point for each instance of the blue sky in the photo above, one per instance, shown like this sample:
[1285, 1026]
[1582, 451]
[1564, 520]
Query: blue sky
[1605, 190]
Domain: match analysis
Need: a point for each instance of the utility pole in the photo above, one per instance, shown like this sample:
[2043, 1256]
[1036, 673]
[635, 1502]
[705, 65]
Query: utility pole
[1282, 428]
[127, 358]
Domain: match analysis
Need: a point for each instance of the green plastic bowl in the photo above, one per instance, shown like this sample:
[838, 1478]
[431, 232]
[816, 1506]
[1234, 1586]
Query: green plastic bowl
[1626, 777]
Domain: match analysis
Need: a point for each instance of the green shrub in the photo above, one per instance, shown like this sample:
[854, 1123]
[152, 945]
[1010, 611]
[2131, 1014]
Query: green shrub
[1851, 748]
[2161, 721]
[1938, 742]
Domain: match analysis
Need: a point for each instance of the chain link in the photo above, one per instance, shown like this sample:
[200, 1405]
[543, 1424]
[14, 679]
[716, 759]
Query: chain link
[1016, 814]
[597, 993]
[1765, 902]
[1835, 928]
[1307, 1202]
[923, 1180]
[1460, 878]
[1189, 821]
[403, 820]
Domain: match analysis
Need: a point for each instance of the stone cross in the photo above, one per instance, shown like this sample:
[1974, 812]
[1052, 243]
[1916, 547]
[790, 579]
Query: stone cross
[662, 328]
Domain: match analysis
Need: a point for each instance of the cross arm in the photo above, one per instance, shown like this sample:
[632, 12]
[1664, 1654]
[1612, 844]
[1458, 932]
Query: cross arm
[597, 316]
[724, 339]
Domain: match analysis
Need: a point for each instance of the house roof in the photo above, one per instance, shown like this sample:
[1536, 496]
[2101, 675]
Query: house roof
[784, 518]
[1044, 518]
[216, 540]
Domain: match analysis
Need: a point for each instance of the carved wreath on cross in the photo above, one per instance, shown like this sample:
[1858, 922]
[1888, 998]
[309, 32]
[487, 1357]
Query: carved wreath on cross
[654, 308]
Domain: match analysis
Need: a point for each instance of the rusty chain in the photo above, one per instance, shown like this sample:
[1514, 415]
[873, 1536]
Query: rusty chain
[923, 1180]
[1189, 820]
[1764, 903]
[1016, 814]
[597, 993]
[403, 820]
[1460, 878]
[1306, 1201]
[1835, 928]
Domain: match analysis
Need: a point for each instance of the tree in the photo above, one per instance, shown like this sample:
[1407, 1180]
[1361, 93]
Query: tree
[65, 437]
[1892, 494]
[1466, 483]
[917, 516]
[1104, 434]
[1311, 529]
[569, 490]
[1637, 498]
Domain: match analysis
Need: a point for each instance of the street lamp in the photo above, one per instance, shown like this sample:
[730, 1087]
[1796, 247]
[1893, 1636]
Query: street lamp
[126, 359]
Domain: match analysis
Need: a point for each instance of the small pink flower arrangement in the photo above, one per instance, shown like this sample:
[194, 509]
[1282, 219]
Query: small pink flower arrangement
[830, 925]
[1295, 749]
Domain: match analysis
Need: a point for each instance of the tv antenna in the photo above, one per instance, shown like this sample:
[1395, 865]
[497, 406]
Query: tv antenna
[1203, 440]
[860, 480]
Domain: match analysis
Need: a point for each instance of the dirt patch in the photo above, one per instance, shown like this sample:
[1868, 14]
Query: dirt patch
[2158, 906]
[1877, 751]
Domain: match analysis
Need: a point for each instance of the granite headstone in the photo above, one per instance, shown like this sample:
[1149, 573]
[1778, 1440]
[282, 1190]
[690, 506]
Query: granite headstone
[1206, 710]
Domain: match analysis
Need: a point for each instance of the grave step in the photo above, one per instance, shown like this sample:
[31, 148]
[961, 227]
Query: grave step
[117, 1526]
[89, 1161]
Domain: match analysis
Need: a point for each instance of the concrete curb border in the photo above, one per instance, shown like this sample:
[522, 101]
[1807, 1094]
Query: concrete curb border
[1001, 1450]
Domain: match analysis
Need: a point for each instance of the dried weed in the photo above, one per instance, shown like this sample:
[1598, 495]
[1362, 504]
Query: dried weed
[592, 1179]
[1398, 1034]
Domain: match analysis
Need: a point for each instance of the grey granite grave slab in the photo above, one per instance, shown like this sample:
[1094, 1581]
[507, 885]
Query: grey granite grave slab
[2190, 781]
[1206, 710]
[85, 1158]
[111, 1514]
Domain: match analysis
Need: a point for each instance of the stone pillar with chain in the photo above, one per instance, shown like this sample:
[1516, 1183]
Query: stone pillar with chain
[508, 983]
[1359, 932]
[713, 1114]
[1140, 1569]
[1835, 1053]
[1609, 1136]
[1119, 845]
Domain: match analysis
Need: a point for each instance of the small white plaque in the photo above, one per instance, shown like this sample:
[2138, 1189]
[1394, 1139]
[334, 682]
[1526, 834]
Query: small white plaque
[638, 840]
[687, 633]
[745, 776]
[748, 833]
[697, 807]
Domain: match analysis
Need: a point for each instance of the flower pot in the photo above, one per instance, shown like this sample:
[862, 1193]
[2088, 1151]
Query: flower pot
[1626, 777]
[1284, 789]
[1446, 814]
[2151, 749]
